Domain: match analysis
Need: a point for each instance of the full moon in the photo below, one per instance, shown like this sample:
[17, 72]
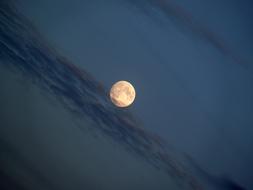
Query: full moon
[122, 94]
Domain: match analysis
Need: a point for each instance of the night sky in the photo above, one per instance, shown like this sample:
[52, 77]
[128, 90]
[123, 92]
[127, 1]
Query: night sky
[190, 63]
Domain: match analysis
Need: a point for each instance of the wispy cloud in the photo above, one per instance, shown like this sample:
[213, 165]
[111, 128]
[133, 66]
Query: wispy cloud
[184, 19]
[22, 49]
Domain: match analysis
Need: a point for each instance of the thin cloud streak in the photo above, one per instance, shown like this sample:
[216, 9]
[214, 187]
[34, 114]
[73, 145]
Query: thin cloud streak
[186, 20]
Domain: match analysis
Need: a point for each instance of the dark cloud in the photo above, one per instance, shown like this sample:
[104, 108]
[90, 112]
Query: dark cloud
[23, 50]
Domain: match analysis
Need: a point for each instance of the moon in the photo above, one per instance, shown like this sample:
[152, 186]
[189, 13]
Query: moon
[122, 94]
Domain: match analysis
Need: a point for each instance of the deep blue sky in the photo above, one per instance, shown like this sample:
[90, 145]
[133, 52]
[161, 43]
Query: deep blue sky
[194, 95]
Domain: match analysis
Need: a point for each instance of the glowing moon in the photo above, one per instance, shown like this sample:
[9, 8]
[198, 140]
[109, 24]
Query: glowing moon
[122, 94]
